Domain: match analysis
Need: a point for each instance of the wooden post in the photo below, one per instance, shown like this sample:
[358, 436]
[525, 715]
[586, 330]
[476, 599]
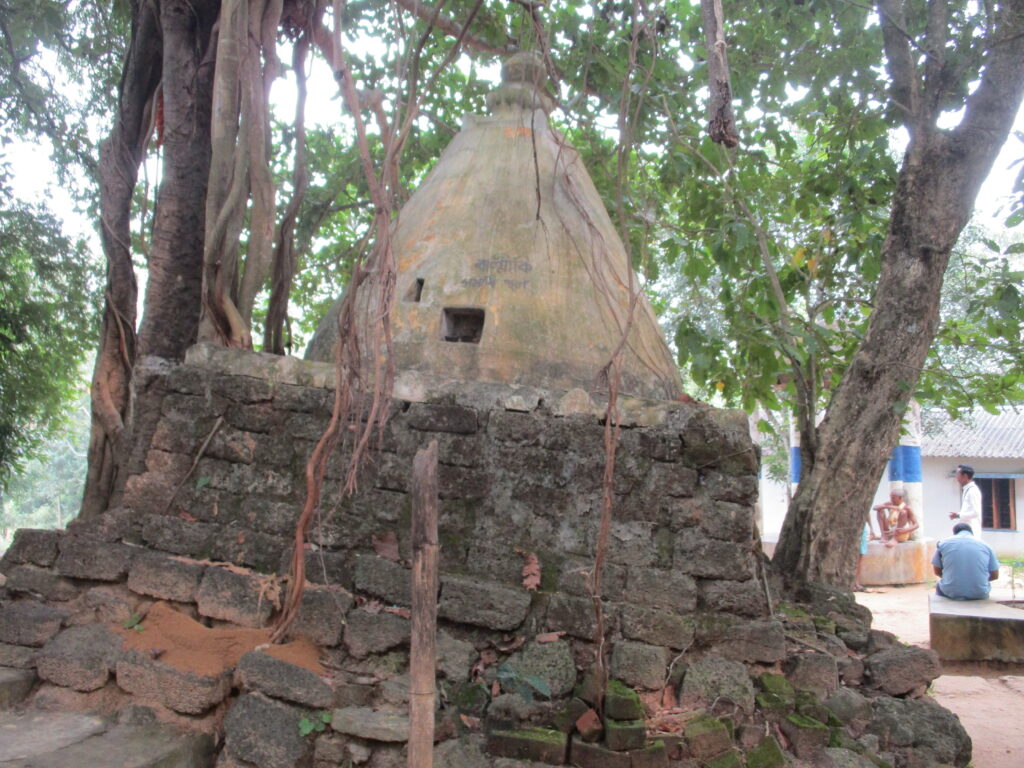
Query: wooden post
[424, 607]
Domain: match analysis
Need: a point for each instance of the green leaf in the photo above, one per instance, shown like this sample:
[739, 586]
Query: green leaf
[202, 482]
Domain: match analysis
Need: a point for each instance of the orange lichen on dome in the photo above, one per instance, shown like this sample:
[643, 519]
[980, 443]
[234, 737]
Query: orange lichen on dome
[185, 644]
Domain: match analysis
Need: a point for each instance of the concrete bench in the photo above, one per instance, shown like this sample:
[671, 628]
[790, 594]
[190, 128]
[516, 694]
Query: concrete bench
[976, 630]
[907, 563]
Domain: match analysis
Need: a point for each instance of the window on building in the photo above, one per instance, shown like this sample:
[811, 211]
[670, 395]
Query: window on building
[997, 507]
[462, 324]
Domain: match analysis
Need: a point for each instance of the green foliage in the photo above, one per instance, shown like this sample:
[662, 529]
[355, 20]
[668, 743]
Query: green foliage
[59, 68]
[47, 490]
[47, 320]
[317, 723]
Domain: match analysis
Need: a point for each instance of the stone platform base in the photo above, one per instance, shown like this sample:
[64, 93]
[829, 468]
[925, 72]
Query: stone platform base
[976, 630]
[906, 563]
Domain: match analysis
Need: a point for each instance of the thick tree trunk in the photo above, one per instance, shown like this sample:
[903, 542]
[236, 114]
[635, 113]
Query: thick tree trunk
[120, 157]
[939, 181]
[173, 291]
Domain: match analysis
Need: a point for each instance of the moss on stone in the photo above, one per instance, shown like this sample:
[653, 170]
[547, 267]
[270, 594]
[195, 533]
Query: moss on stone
[622, 735]
[803, 721]
[536, 733]
[793, 611]
[772, 703]
[730, 759]
[767, 754]
[779, 687]
[621, 702]
[823, 624]
[703, 724]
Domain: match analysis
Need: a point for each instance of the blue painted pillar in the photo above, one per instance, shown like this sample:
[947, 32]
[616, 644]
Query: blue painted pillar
[905, 465]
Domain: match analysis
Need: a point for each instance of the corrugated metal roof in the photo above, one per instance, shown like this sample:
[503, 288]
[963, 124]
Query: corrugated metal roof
[978, 434]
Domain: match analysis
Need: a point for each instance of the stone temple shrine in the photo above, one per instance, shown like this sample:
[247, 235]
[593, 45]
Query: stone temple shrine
[146, 629]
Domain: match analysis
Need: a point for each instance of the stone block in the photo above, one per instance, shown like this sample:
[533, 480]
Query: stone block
[242, 389]
[744, 598]
[246, 479]
[113, 603]
[671, 480]
[738, 490]
[17, 656]
[259, 551]
[639, 665]
[707, 737]
[550, 662]
[353, 695]
[586, 755]
[698, 555]
[435, 417]
[266, 733]
[762, 642]
[932, 731]
[621, 702]
[574, 578]
[656, 627]
[383, 579]
[541, 745]
[512, 427]
[80, 657]
[34, 545]
[371, 724]
[624, 735]
[814, 672]
[716, 437]
[41, 583]
[662, 588]
[714, 679]
[481, 603]
[850, 707]
[767, 754]
[28, 622]
[328, 568]
[155, 574]
[367, 632]
[807, 737]
[728, 522]
[321, 615]
[629, 544]
[654, 755]
[262, 418]
[575, 615]
[851, 669]
[278, 679]
[237, 445]
[462, 482]
[588, 724]
[901, 670]
[313, 400]
[454, 657]
[182, 537]
[234, 597]
[83, 558]
[177, 689]
[15, 685]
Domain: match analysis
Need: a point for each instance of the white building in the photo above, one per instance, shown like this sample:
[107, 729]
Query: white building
[993, 444]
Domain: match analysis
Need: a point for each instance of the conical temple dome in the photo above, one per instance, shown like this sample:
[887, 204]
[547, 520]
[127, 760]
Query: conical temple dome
[509, 267]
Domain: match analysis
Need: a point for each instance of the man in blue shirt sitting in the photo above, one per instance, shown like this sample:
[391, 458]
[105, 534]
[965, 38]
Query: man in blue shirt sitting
[965, 564]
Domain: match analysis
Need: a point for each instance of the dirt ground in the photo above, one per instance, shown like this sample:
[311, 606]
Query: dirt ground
[988, 698]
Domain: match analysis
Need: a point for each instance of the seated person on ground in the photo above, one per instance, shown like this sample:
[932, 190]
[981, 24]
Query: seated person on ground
[965, 565]
[896, 521]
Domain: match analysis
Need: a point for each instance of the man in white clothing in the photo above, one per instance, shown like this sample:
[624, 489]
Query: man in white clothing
[970, 500]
